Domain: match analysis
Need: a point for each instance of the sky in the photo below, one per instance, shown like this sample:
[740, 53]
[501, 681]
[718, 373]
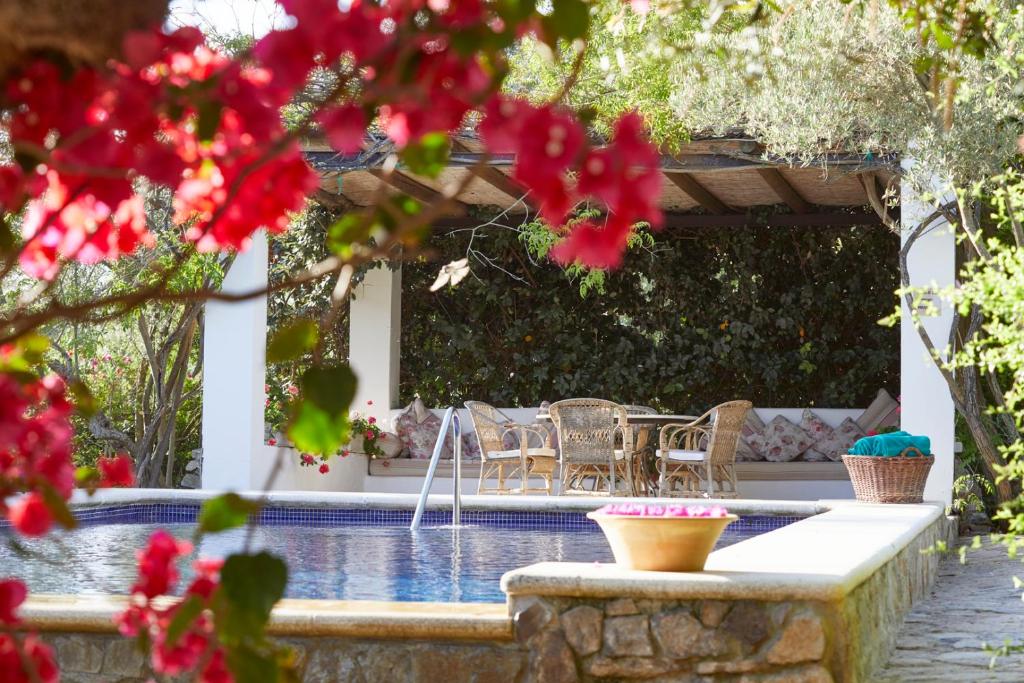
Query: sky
[251, 17]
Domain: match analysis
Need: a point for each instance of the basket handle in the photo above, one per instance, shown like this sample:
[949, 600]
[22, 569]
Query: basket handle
[913, 451]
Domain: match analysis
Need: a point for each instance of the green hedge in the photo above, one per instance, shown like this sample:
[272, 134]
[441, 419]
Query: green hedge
[780, 316]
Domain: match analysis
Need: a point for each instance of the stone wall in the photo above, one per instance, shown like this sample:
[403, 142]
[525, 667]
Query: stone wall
[109, 658]
[737, 641]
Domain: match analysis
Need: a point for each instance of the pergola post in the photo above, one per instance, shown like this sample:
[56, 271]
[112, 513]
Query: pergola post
[927, 407]
[234, 376]
[375, 331]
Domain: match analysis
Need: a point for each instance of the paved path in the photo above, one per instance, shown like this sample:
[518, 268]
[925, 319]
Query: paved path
[972, 604]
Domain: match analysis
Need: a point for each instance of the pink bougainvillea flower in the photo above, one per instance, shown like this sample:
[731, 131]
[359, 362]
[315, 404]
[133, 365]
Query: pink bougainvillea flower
[116, 471]
[39, 656]
[12, 594]
[29, 515]
[675, 510]
[345, 127]
[158, 572]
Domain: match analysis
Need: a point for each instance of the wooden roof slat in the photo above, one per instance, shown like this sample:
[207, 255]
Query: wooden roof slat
[835, 219]
[492, 175]
[413, 188]
[697, 192]
[786, 192]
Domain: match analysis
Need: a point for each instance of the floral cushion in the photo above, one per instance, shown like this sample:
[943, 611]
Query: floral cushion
[418, 428]
[470, 447]
[829, 443]
[753, 425]
[781, 441]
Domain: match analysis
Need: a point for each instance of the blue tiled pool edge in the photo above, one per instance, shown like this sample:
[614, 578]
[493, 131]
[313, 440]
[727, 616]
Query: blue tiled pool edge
[276, 515]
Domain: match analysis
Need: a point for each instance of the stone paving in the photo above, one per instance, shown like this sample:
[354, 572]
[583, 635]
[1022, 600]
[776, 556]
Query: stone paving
[969, 605]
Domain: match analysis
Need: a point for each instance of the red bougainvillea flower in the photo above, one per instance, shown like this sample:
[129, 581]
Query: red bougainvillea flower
[324, 469]
[158, 571]
[29, 515]
[35, 449]
[38, 654]
[196, 645]
[12, 594]
[116, 471]
[596, 246]
[345, 127]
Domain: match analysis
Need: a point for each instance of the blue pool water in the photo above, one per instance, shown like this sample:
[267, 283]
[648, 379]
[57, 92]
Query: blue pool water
[333, 554]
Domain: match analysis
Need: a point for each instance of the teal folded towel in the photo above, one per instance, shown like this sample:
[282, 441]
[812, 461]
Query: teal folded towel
[891, 444]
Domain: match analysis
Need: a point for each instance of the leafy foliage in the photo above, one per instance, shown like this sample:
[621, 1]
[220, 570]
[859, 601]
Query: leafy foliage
[782, 317]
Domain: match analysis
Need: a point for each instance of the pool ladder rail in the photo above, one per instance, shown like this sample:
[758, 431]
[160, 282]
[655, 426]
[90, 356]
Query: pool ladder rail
[451, 422]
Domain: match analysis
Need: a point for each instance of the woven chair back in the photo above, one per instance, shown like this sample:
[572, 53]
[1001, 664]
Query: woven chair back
[489, 425]
[725, 434]
[587, 429]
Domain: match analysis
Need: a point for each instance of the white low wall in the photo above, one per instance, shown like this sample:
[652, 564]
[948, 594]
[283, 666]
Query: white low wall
[832, 416]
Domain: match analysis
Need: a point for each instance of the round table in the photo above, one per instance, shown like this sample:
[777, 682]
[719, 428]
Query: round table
[643, 479]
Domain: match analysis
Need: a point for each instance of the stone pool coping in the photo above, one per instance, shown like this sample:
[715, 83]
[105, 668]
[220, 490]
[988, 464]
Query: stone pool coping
[407, 501]
[821, 558]
[348, 618]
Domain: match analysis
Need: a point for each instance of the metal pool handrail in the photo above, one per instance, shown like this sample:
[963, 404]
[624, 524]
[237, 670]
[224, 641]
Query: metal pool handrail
[451, 419]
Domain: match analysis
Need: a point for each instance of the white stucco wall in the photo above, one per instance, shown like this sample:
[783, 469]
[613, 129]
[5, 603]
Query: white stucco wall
[234, 374]
[927, 405]
[374, 338]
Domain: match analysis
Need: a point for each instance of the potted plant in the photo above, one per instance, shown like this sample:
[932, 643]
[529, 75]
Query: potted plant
[667, 538]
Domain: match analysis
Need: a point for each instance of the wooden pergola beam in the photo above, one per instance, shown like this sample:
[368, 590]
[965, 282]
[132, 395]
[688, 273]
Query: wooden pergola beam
[688, 163]
[492, 176]
[698, 193]
[784, 190]
[837, 219]
[413, 188]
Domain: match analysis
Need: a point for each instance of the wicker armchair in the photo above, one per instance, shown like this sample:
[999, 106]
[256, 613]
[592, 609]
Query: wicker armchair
[533, 457]
[587, 431]
[698, 459]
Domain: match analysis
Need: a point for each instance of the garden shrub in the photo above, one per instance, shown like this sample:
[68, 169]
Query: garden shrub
[780, 316]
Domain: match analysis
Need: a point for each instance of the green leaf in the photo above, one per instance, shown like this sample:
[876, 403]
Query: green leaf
[330, 388]
[252, 666]
[87, 478]
[569, 19]
[184, 614]
[209, 119]
[250, 586]
[83, 399]
[226, 511]
[347, 230]
[292, 341]
[58, 507]
[315, 430]
[428, 156]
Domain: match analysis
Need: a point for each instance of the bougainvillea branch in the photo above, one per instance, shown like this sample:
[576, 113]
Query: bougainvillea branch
[85, 143]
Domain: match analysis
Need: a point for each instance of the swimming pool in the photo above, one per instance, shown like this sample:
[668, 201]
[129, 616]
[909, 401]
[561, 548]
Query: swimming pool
[349, 554]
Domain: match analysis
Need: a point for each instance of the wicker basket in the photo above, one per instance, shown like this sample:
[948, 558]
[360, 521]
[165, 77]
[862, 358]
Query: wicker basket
[897, 479]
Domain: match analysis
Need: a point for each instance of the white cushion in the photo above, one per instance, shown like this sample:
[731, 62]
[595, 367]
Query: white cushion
[515, 454]
[685, 456]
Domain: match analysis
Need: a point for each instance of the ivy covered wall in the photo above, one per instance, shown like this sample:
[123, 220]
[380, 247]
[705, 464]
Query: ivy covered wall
[785, 317]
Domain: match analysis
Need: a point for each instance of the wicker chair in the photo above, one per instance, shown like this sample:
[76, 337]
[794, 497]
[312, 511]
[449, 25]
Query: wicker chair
[587, 431]
[698, 459]
[524, 461]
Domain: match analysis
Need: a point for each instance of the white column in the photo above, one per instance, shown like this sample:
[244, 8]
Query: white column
[927, 405]
[234, 376]
[375, 329]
